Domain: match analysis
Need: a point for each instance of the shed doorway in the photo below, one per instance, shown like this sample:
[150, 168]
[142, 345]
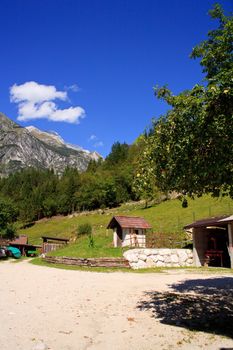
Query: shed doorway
[213, 241]
[217, 254]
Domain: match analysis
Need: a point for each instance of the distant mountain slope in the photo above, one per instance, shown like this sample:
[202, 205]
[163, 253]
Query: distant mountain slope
[30, 147]
[53, 139]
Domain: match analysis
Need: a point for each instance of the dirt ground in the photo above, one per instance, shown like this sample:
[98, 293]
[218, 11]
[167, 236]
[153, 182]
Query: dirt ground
[46, 308]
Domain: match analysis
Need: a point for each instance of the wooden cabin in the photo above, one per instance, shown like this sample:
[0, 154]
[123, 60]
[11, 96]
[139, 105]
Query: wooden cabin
[53, 243]
[213, 241]
[129, 231]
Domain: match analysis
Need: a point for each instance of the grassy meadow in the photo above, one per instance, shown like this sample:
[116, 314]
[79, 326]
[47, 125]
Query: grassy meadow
[167, 217]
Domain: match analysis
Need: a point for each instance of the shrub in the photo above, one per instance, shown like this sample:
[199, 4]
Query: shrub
[10, 231]
[84, 229]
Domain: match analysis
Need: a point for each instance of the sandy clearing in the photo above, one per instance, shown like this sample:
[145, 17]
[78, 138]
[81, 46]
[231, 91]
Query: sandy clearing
[48, 308]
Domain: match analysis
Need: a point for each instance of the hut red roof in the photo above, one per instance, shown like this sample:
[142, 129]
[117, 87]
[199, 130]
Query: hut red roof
[22, 239]
[129, 222]
[214, 221]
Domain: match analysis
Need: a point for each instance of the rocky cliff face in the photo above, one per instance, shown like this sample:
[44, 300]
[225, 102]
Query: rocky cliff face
[29, 147]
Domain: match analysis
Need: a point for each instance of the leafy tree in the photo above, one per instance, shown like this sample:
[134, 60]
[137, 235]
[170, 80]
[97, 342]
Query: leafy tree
[144, 180]
[49, 207]
[190, 149]
[123, 184]
[8, 215]
[96, 191]
[109, 194]
[118, 154]
[94, 165]
[68, 185]
[216, 52]
[10, 231]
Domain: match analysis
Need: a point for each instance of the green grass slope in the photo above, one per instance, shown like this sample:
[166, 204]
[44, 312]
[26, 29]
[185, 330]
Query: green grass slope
[168, 217]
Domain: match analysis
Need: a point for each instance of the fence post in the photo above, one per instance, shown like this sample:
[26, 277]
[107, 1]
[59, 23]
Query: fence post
[170, 242]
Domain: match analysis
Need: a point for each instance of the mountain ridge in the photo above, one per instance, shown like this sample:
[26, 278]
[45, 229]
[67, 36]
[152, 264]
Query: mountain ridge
[21, 148]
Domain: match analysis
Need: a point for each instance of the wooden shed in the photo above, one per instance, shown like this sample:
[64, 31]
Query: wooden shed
[129, 231]
[53, 243]
[213, 241]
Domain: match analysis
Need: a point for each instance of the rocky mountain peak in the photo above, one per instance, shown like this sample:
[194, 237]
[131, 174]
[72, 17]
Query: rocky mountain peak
[30, 147]
[50, 137]
[6, 123]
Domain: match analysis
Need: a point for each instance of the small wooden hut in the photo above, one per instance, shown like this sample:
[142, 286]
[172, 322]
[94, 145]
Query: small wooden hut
[53, 243]
[129, 231]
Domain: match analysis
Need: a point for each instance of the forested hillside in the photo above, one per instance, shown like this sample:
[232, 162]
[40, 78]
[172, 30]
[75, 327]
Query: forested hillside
[35, 193]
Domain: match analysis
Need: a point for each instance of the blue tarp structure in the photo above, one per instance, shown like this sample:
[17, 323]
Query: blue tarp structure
[15, 252]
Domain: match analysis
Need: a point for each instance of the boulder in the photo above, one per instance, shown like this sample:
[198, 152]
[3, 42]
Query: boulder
[150, 262]
[182, 256]
[142, 257]
[164, 251]
[131, 256]
[167, 259]
[174, 258]
[160, 258]
[189, 262]
[141, 264]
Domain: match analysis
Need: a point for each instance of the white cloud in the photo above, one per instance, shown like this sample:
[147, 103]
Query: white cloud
[98, 144]
[34, 92]
[92, 138]
[73, 88]
[95, 141]
[69, 115]
[36, 101]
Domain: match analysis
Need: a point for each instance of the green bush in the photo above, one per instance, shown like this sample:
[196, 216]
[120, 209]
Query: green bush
[84, 229]
[10, 231]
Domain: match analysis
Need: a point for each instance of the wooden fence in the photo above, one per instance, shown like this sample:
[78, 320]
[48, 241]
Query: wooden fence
[88, 262]
[49, 247]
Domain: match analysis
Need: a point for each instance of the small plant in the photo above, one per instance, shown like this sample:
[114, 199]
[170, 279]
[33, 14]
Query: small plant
[91, 242]
[184, 203]
[84, 229]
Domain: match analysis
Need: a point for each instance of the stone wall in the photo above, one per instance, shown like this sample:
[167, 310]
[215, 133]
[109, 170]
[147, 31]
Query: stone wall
[144, 258]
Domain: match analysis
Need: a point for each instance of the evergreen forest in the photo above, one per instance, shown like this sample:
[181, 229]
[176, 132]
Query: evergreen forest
[32, 194]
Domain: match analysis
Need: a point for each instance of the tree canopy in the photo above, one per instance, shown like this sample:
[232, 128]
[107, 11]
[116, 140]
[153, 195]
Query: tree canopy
[189, 150]
[39, 193]
[8, 215]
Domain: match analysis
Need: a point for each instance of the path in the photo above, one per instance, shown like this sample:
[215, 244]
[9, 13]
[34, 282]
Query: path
[47, 308]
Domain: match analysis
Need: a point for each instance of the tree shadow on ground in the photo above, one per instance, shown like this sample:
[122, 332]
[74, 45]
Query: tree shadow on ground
[200, 304]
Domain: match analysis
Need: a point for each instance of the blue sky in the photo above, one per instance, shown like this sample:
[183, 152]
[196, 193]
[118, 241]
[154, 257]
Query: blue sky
[93, 63]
